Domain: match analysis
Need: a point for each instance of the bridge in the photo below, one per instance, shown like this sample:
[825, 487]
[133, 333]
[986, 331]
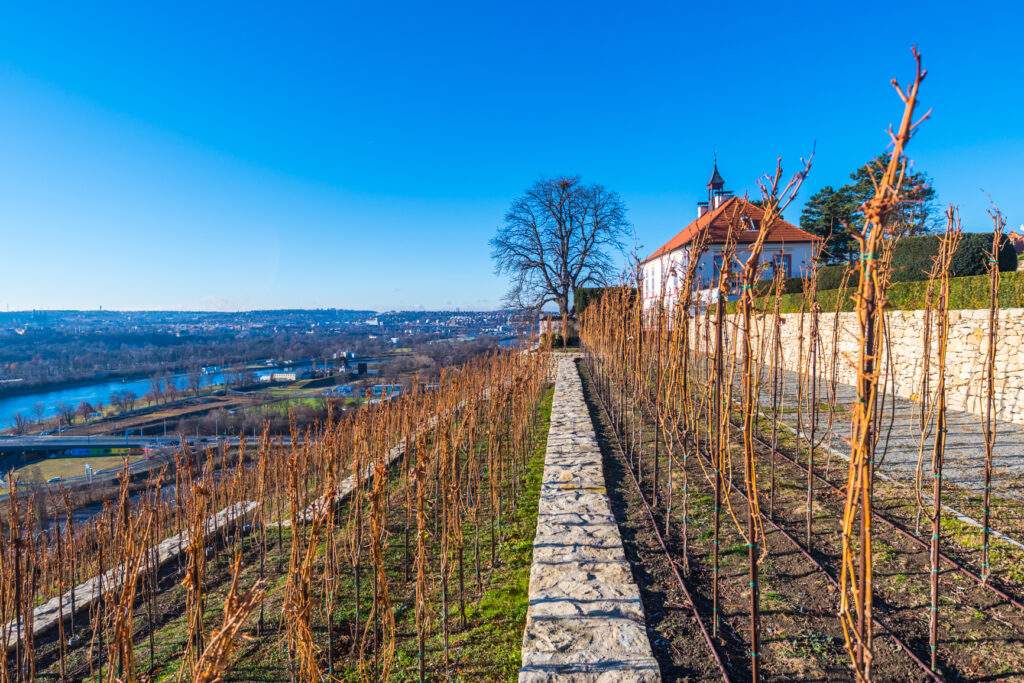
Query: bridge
[20, 451]
[80, 445]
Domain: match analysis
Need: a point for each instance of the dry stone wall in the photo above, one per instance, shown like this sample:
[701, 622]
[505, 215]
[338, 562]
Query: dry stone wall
[585, 620]
[903, 359]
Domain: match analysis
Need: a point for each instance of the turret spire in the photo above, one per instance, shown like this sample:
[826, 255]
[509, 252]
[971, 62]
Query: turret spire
[717, 182]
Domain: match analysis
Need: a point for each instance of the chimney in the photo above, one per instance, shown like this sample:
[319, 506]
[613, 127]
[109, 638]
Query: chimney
[702, 208]
[720, 197]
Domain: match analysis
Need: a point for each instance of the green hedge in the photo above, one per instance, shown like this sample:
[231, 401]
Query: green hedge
[964, 293]
[829, 277]
[912, 261]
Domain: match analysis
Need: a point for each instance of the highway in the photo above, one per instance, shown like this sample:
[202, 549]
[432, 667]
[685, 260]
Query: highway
[58, 444]
[159, 452]
[36, 444]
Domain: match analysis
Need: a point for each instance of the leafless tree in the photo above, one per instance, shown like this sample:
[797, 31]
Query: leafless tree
[556, 237]
[130, 398]
[170, 388]
[84, 410]
[66, 414]
[156, 389]
[195, 379]
[21, 423]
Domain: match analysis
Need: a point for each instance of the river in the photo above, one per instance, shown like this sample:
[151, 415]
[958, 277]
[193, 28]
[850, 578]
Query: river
[101, 391]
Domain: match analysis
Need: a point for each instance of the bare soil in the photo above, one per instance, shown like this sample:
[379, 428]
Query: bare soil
[980, 636]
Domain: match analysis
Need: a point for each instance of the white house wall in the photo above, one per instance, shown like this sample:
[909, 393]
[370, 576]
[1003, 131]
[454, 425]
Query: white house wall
[663, 276]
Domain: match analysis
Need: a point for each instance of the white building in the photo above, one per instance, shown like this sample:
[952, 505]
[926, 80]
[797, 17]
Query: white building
[787, 246]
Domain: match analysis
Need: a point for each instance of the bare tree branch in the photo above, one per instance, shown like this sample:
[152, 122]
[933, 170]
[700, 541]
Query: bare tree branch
[556, 237]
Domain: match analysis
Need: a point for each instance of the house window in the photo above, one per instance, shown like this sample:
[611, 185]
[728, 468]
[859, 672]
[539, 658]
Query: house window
[783, 262]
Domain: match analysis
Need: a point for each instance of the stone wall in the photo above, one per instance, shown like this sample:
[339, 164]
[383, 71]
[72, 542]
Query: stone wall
[585, 620]
[46, 616]
[903, 356]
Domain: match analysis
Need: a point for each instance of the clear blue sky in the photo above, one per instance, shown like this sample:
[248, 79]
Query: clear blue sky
[362, 154]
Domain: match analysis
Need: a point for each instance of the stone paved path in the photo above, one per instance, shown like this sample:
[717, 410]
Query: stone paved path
[901, 434]
[585, 620]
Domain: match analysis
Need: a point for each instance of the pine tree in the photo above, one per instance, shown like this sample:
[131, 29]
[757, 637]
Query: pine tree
[834, 213]
[829, 213]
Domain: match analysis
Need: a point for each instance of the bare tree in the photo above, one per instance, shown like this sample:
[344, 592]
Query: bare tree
[556, 237]
[84, 410]
[66, 414]
[21, 423]
[156, 389]
[170, 388]
[195, 379]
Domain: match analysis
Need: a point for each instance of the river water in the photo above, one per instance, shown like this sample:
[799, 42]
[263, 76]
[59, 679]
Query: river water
[94, 392]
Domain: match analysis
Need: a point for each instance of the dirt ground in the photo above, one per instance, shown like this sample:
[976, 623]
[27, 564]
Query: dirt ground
[980, 637]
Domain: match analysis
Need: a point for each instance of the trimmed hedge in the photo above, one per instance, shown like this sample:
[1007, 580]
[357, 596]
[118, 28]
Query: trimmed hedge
[829, 277]
[964, 293]
[912, 261]
[972, 255]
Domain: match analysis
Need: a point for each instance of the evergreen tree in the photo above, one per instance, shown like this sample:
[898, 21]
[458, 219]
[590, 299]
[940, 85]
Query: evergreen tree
[915, 215]
[834, 213]
[829, 213]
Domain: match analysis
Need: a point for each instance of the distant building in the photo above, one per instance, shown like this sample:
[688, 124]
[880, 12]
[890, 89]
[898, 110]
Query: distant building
[391, 390]
[279, 377]
[786, 247]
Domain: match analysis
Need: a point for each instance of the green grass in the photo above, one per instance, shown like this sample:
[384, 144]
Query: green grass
[883, 552]
[815, 645]
[282, 407]
[490, 647]
[68, 467]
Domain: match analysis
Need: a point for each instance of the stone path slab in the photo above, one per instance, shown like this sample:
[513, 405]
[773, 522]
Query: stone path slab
[585, 620]
[900, 438]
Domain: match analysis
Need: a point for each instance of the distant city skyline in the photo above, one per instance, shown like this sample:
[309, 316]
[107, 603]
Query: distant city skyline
[361, 156]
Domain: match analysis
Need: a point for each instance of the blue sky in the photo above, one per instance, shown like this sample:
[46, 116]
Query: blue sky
[362, 154]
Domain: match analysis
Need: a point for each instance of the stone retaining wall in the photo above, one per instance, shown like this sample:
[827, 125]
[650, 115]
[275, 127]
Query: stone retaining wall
[968, 346]
[85, 594]
[46, 616]
[585, 620]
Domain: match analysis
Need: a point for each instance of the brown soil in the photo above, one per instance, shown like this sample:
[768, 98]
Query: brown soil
[188, 408]
[980, 637]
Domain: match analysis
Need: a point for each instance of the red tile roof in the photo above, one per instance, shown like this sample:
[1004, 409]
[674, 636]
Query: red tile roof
[1017, 240]
[717, 222]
